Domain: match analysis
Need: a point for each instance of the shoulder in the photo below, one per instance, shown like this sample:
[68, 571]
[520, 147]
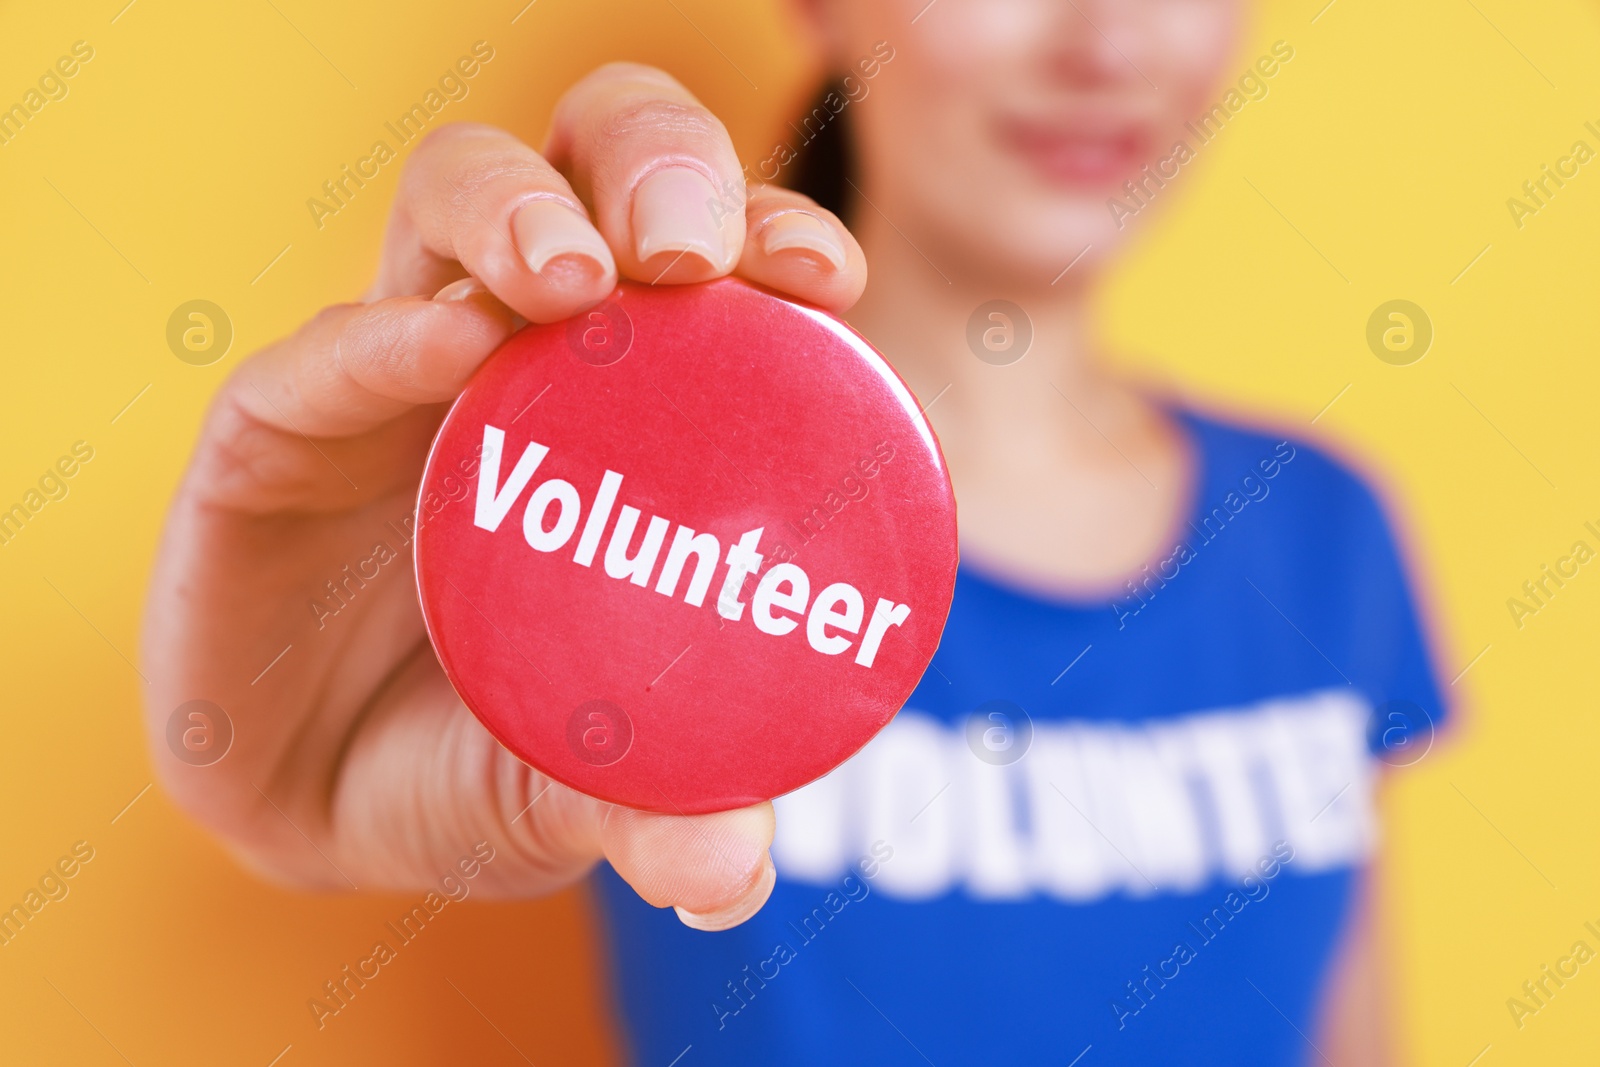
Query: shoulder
[1310, 490]
[1316, 537]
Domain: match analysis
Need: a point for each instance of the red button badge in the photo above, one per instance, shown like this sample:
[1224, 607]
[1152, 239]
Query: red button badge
[688, 550]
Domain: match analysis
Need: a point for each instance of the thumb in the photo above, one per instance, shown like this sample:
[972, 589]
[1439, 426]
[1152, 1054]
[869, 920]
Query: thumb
[714, 869]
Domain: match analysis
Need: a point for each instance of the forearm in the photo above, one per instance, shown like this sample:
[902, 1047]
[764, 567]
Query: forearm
[1355, 1026]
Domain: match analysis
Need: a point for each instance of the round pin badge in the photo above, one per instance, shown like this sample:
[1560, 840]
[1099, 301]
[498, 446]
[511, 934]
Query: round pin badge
[688, 550]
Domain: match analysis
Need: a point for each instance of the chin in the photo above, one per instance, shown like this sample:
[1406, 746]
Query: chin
[1029, 242]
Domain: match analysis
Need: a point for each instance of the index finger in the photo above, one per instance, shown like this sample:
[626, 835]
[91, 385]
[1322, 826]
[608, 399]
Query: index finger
[475, 198]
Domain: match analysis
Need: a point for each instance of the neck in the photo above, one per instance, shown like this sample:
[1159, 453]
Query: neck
[917, 310]
[1064, 478]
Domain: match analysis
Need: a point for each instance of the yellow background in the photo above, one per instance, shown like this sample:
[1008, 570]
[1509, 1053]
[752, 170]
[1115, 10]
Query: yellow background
[178, 168]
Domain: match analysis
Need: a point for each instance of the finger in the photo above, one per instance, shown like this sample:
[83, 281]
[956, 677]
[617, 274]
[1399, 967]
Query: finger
[356, 366]
[475, 199]
[290, 427]
[797, 247]
[658, 170]
[714, 870]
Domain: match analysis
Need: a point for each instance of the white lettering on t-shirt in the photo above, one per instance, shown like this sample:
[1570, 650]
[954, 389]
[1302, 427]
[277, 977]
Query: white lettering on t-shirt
[1093, 809]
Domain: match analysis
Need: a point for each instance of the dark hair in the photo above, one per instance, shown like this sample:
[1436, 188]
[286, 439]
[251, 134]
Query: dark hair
[825, 165]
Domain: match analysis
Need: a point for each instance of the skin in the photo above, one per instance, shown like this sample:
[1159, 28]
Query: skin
[354, 763]
[988, 146]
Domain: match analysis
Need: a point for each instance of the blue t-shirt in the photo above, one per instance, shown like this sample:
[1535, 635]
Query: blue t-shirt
[1125, 832]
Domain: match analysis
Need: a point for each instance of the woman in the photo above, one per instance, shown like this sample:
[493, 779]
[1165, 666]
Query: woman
[1122, 818]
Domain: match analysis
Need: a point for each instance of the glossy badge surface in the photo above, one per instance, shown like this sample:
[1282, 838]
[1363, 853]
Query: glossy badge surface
[686, 551]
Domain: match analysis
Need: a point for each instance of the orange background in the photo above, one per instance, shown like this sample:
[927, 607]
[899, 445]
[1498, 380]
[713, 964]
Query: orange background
[178, 168]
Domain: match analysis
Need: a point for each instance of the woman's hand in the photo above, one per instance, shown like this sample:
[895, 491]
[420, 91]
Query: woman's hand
[354, 764]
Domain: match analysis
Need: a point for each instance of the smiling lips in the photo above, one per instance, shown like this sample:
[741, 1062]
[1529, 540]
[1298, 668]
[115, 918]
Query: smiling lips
[1078, 157]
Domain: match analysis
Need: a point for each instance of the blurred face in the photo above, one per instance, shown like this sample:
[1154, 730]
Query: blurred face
[1000, 129]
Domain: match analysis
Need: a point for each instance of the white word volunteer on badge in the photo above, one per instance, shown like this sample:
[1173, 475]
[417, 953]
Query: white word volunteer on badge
[781, 596]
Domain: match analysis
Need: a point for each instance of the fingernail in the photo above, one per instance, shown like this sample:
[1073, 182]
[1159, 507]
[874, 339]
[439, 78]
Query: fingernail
[739, 910]
[676, 210]
[460, 290]
[804, 231]
[546, 229]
